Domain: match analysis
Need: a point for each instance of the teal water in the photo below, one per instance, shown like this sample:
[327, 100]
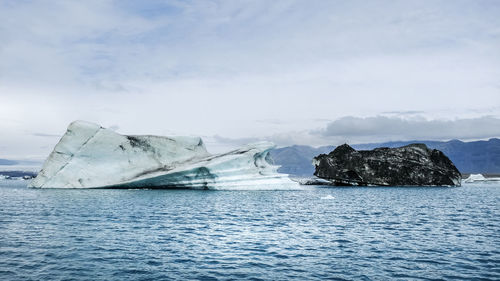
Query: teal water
[360, 234]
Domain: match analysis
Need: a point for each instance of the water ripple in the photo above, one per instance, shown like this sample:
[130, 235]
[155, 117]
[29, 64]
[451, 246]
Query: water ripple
[359, 234]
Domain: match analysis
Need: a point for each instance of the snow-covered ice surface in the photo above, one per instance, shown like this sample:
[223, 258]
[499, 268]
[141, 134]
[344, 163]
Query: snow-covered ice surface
[90, 156]
[479, 178]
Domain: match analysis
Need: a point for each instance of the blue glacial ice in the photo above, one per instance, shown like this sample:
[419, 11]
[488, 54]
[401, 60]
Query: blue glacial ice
[90, 156]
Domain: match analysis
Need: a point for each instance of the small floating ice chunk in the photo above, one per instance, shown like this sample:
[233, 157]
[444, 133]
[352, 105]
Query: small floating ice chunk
[474, 178]
[480, 178]
[328, 197]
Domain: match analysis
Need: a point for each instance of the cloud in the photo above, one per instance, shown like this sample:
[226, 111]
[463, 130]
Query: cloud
[407, 112]
[398, 128]
[221, 144]
[241, 69]
[110, 44]
[46, 135]
[235, 141]
[380, 128]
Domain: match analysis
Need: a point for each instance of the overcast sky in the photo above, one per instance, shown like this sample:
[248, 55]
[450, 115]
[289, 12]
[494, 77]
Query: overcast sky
[294, 72]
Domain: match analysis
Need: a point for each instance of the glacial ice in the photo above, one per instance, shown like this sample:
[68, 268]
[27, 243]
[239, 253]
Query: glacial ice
[90, 156]
[479, 178]
[474, 178]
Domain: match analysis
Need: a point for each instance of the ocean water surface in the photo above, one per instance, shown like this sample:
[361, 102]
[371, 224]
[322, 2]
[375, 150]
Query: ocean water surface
[315, 234]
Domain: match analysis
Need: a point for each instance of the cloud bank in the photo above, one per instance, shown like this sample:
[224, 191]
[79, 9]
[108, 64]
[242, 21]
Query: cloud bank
[240, 69]
[383, 128]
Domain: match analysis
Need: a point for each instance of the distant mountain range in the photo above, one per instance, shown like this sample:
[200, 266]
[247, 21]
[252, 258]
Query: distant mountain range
[468, 157]
[7, 162]
[10, 167]
[11, 162]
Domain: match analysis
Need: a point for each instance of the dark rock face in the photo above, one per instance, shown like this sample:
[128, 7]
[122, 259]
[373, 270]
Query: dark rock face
[475, 157]
[410, 165]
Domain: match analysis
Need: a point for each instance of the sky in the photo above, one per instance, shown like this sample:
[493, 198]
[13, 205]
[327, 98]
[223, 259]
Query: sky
[292, 72]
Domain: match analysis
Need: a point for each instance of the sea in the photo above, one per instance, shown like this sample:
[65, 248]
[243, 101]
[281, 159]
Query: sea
[319, 233]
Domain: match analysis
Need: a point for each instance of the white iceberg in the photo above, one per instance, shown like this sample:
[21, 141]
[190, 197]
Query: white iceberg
[90, 156]
[479, 178]
[474, 178]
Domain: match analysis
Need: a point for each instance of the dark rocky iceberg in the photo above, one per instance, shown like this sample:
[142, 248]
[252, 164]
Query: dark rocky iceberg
[410, 165]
